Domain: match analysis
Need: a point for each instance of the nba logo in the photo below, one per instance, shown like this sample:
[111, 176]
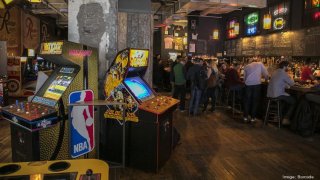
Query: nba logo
[81, 123]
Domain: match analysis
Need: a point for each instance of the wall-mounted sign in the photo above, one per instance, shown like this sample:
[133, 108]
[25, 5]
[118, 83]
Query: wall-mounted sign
[280, 11]
[316, 3]
[233, 29]
[51, 48]
[252, 23]
[252, 18]
[316, 16]
[252, 30]
[280, 16]
[216, 34]
[312, 13]
[267, 21]
[279, 23]
[31, 31]
[81, 53]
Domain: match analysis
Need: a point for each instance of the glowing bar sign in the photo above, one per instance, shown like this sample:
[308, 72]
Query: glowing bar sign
[316, 16]
[216, 34]
[280, 16]
[233, 28]
[267, 21]
[252, 19]
[252, 23]
[316, 3]
[51, 47]
[279, 23]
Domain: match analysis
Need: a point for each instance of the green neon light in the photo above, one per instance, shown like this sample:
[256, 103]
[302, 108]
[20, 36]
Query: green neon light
[252, 19]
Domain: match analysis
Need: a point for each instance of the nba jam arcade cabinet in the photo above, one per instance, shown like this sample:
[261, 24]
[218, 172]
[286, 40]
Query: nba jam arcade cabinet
[38, 128]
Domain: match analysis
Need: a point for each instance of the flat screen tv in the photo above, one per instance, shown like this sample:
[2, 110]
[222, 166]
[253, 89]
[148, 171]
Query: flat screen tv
[139, 88]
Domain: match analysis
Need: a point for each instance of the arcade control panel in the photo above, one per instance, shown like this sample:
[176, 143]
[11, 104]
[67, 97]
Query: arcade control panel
[31, 116]
[159, 104]
[83, 169]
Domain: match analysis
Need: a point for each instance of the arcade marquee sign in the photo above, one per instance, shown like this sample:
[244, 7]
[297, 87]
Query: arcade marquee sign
[52, 47]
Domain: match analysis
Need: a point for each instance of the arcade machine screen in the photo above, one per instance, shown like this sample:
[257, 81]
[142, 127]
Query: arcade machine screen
[138, 59]
[139, 88]
[58, 86]
[52, 90]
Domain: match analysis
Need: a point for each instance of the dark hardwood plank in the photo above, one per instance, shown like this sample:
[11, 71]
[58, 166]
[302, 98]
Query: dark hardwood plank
[215, 146]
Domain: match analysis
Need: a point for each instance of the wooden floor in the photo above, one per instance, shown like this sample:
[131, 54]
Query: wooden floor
[215, 146]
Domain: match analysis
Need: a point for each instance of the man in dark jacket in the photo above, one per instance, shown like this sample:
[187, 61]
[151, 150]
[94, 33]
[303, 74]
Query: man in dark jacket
[193, 75]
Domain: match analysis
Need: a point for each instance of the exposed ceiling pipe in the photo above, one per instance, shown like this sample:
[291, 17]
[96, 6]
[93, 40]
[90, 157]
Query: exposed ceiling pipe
[215, 17]
[53, 8]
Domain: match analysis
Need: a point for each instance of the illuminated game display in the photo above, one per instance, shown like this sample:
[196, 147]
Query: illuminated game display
[233, 29]
[139, 88]
[139, 58]
[252, 23]
[144, 113]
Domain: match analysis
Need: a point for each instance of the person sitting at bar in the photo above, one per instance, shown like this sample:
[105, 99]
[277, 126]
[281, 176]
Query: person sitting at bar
[233, 81]
[252, 79]
[306, 73]
[280, 80]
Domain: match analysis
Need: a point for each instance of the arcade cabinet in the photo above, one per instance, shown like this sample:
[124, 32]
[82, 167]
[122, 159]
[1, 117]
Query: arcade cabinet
[40, 125]
[148, 116]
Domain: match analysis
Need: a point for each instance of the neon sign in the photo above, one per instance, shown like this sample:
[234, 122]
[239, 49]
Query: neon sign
[216, 34]
[267, 21]
[280, 11]
[278, 23]
[81, 53]
[252, 19]
[252, 30]
[316, 16]
[316, 3]
[233, 29]
[252, 22]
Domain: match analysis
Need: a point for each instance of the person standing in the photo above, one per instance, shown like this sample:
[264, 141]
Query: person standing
[211, 86]
[179, 81]
[195, 74]
[252, 79]
[233, 81]
[306, 72]
[277, 85]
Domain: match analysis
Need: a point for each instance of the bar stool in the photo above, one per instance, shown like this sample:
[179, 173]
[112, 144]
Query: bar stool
[274, 109]
[234, 103]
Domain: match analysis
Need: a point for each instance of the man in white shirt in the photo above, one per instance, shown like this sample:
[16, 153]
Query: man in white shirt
[280, 80]
[252, 80]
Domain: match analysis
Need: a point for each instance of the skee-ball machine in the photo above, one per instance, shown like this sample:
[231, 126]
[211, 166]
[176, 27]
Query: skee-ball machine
[39, 130]
[148, 115]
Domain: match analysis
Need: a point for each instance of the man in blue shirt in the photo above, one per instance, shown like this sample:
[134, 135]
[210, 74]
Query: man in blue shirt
[280, 80]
